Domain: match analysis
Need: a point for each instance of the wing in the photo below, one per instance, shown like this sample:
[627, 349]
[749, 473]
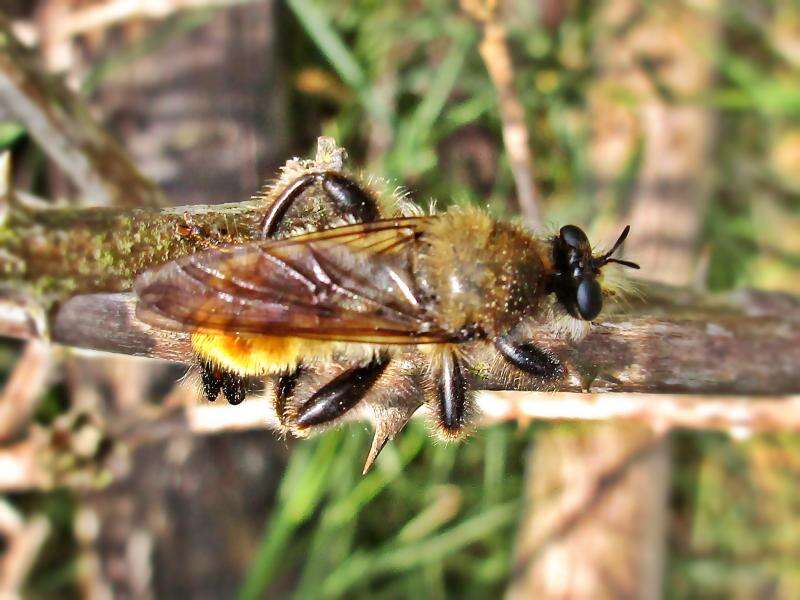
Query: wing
[349, 283]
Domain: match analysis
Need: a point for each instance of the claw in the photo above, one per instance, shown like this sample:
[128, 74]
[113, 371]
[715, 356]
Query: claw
[379, 442]
[388, 425]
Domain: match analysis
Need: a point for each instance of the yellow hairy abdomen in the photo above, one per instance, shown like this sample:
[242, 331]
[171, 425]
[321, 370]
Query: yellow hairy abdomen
[251, 355]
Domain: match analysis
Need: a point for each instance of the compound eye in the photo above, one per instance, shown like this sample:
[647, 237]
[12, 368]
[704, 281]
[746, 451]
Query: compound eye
[589, 299]
[574, 237]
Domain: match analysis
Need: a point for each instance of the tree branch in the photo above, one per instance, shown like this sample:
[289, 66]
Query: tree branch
[671, 341]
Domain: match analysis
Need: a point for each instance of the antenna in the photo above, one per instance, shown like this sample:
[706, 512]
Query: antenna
[599, 261]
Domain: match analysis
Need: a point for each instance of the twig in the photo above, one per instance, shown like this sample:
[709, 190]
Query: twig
[66, 132]
[23, 541]
[23, 388]
[113, 12]
[740, 416]
[497, 57]
[671, 343]
[22, 466]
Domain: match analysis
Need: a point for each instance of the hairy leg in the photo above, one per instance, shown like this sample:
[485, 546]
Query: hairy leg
[530, 359]
[284, 387]
[451, 395]
[216, 380]
[345, 195]
[340, 394]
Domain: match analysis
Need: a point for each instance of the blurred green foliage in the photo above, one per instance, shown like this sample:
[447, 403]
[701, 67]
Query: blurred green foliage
[426, 515]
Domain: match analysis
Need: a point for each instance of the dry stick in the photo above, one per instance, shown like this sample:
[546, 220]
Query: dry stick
[65, 130]
[20, 395]
[23, 541]
[21, 469]
[114, 12]
[671, 343]
[497, 58]
[739, 416]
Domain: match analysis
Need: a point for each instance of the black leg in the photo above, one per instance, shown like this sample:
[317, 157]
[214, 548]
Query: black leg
[233, 387]
[344, 193]
[530, 359]
[216, 379]
[340, 395]
[451, 393]
[349, 197]
[284, 390]
[211, 378]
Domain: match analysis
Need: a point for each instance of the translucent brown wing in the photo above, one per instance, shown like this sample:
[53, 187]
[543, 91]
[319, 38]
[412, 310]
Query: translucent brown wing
[349, 283]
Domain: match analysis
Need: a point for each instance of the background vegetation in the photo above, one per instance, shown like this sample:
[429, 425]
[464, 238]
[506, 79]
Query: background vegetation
[403, 86]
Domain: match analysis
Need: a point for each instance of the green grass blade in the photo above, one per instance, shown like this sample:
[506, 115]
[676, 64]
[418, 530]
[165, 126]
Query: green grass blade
[361, 568]
[301, 492]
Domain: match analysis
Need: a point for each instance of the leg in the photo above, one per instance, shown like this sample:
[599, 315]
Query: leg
[211, 378]
[530, 359]
[344, 193]
[216, 380]
[284, 390]
[340, 395]
[233, 387]
[451, 396]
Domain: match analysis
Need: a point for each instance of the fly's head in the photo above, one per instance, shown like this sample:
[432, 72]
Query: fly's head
[575, 280]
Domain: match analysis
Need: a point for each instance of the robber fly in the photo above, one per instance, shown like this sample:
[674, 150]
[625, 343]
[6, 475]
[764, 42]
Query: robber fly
[372, 312]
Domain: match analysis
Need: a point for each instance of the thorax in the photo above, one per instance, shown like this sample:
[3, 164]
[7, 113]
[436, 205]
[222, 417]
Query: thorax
[481, 274]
